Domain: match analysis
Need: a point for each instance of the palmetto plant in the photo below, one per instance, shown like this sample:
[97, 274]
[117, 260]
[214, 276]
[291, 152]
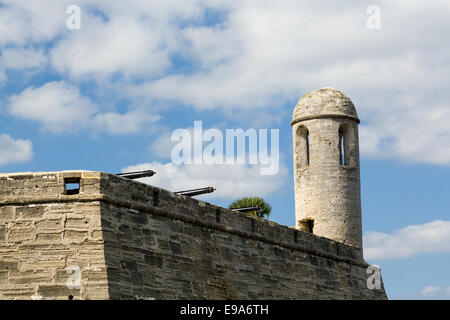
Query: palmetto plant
[263, 212]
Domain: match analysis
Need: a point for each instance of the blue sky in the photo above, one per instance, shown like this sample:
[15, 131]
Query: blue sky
[108, 96]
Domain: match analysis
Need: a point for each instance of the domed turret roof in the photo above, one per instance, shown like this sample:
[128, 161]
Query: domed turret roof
[323, 103]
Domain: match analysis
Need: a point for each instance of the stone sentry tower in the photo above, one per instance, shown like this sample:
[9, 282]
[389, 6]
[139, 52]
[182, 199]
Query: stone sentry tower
[326, 166]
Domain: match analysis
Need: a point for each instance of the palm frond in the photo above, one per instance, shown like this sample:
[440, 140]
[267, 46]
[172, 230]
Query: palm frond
[253, 202]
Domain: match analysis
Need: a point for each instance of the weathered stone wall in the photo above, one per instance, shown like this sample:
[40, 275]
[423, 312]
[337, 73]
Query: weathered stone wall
[162, 246]
[142, 242]
[45, 233]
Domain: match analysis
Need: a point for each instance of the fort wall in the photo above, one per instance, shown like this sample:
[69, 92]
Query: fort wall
[135, 241]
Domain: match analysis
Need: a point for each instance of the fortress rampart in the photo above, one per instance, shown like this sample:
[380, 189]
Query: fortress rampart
[128, 240]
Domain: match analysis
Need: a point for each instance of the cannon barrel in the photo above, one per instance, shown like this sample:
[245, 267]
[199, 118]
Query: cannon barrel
[195, 192]
[137, 174]
[246, 209]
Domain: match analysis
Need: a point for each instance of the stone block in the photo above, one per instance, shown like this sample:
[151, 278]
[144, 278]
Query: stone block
[2, 233]
[30, 211]
[75, 235]
[20, 234]
[7, 213]
[49, 237]
[41, 263]
[49, 224]
[18, 292]
[30, 277]
[77, 223]
[57, 291]
[96, 292]
[6, 265]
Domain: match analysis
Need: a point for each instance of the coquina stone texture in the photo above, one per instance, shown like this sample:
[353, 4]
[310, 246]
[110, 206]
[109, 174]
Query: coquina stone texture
[326, 166]
[115, 238]
[130, 240]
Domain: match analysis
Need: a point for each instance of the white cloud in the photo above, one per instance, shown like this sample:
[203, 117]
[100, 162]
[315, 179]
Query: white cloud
[23, 21]
[104, 48]
[265, 54]
[230, 181]
[22, 58]
[134, 39]
[261, 55]
[434, 292]
[14, 150]
[162, 146]
[3, 76]
[427, 293]
[131, 122]
[59, 106]
[411, 134]
[432, 237]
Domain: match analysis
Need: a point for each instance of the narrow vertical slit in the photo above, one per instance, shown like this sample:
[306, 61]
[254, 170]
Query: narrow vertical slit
[342, 160]
[155, 198]
[311, 226]
[302, 146]
[217, 215]
[307, 148]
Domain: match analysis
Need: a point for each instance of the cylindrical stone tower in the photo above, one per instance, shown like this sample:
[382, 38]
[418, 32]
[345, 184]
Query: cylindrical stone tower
[326, 166]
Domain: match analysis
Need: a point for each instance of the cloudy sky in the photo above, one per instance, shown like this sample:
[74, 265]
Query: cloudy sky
[108, 96]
